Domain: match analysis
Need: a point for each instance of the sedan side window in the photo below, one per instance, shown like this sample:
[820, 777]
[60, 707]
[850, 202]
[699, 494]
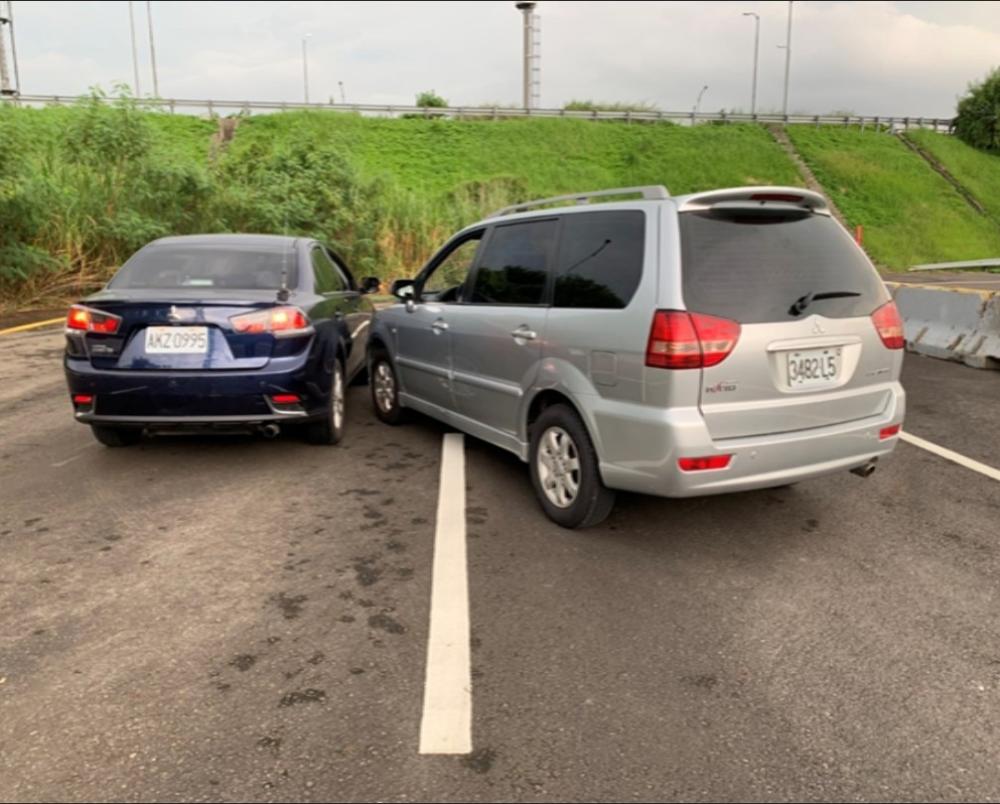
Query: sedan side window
[445, 282]
[328, 278]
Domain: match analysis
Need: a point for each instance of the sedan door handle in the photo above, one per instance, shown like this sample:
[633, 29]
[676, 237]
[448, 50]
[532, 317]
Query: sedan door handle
[439, 326]
[523, 333]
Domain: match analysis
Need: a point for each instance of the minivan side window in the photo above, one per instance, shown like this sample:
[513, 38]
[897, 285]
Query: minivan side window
[515, 264]
[328, 278]
[600, 259]
[444, 283]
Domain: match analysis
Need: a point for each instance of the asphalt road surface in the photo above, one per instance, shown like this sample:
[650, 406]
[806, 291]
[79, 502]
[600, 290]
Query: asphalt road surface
[239, 619]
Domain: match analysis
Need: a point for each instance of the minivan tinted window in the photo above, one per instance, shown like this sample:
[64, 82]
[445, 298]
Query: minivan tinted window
[600, 259]
[209, 266]
[515, 264]
[755, 269]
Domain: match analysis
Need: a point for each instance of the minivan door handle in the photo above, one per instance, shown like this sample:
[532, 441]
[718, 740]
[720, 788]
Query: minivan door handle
[439, 326]
[523, 333]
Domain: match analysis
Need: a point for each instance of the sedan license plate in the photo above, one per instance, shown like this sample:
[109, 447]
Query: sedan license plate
[813, 367]
[176, 340]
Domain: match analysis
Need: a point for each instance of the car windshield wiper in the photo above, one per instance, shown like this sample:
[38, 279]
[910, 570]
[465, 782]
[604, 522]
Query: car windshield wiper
[800, 304]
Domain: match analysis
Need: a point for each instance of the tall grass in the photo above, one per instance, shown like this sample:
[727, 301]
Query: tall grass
[910, 213]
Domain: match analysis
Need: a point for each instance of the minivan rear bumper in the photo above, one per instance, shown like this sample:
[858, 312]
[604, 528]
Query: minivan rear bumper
[639, 453]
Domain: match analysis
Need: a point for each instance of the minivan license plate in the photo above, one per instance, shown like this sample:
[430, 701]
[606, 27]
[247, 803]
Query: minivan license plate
[176, 340]
[810, 367]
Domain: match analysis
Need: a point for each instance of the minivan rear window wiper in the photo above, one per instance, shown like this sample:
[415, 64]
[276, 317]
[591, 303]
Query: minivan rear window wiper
[800, 304]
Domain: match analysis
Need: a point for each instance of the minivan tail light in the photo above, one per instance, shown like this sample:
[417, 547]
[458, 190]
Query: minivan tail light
[889, 432]
[889, 325]
[681, 340]
[87, 319]
[279, 321]
[703, 463]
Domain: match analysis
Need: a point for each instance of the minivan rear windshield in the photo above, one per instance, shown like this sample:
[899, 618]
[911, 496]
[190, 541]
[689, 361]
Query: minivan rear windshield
[765, 269]
[224, 267]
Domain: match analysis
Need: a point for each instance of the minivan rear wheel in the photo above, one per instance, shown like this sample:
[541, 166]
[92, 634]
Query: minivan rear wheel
[565, 472]
[116, 436]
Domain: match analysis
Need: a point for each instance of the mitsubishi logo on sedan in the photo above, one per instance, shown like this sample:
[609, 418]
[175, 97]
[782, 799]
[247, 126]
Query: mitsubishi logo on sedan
[179, 313]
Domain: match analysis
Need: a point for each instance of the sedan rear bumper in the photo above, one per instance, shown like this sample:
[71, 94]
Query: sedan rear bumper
[151, 398]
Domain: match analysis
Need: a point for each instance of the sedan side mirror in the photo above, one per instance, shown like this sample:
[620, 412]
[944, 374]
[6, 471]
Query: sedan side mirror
[370, 284]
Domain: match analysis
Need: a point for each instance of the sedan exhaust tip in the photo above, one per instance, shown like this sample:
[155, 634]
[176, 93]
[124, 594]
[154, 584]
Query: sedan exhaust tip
[865, 470]
[270, 430]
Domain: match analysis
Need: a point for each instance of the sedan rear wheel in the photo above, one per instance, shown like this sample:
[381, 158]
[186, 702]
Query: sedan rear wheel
[330, 429]
[116, 436]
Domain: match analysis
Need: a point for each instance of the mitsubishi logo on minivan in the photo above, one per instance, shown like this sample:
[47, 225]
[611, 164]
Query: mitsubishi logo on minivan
[818, 328]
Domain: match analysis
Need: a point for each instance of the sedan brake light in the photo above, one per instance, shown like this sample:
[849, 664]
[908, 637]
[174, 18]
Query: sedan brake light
[86, 319]
[281, 322]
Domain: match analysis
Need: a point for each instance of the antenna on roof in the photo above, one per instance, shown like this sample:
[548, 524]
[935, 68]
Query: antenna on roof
[283, 292]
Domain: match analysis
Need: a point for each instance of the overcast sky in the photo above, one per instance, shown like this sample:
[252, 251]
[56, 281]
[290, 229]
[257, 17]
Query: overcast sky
[889, 58]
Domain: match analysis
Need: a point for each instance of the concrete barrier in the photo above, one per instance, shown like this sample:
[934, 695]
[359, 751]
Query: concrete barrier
[951, 323]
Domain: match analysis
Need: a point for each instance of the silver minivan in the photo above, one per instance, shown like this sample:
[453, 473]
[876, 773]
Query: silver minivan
[679, 346]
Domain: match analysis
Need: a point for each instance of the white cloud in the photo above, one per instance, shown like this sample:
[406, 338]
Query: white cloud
[869, 57]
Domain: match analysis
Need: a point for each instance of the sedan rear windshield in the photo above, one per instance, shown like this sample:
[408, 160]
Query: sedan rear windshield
[219, 266]
[755, 269]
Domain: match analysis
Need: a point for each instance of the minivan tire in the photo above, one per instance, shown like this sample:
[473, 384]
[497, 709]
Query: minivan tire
[330, 429]
[560, 426]
[384, 384]
[116, 436]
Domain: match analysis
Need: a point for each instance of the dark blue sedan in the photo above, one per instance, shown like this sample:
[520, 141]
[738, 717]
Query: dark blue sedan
[223, 332]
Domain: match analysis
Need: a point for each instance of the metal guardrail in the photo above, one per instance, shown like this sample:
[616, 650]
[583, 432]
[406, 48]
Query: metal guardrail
[211, 107]
[958, 266]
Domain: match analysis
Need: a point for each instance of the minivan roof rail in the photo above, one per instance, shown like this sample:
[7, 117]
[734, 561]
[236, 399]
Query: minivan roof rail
[650, 192]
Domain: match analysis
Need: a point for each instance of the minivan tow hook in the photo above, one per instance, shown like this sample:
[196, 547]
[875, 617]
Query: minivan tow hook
[269, 430]
[865, 470]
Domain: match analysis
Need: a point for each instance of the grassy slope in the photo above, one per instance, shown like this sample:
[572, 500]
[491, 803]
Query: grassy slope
[979, 172]
[911, 214]
[433, 157]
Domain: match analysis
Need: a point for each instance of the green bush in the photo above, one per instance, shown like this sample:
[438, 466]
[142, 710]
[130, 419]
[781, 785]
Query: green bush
[978, 120]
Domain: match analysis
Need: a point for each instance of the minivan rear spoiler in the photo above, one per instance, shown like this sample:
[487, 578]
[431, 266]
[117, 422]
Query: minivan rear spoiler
[779, 197]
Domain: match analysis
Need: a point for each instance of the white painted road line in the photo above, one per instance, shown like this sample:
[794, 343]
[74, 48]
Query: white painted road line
[446, 726]
[948, 454]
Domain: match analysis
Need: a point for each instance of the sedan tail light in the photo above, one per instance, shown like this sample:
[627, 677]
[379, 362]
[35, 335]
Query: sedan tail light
[282, 322]
[889, 325]
[680, 340]
[87, 319]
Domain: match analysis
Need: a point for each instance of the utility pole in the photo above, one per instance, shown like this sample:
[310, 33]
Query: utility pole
[756, 51]
[343, 97]
[788, 59]
[532, 70]
[305, 65]
[152, 49]
[135, 54]
[8, 89]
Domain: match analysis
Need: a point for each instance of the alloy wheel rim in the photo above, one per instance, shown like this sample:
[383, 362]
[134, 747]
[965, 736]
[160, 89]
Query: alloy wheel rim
[558, 463]
[385, 387]
[338, 398]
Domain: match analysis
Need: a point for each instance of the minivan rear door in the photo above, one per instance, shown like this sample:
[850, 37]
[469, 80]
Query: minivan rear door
[808, 353]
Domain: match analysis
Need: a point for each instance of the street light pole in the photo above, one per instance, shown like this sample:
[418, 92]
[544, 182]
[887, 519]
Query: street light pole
[756, 51]
[135, 54]
[788, 58]
[152, 49]
[697, 103]
[305, 65]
